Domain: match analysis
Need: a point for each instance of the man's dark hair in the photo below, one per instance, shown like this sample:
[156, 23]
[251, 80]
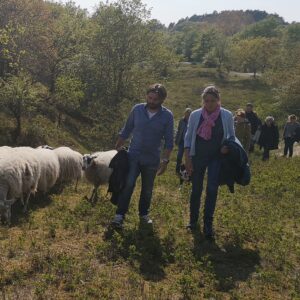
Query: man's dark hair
[158, 89]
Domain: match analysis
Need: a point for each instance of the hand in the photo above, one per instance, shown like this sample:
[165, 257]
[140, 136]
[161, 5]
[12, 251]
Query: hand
[162, 168]
[189, 166]
[224, 150]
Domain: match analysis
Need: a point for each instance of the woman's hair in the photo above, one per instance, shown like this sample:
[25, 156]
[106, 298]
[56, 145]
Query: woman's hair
[292, 117]
[158, 89]
[211, 90]
[269, 118]
[240, 113]
[187, 110]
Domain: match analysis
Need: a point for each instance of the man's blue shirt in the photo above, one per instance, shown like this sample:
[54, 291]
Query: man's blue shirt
[148, 133]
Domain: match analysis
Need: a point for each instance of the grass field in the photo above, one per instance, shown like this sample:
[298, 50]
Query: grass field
[63, 248]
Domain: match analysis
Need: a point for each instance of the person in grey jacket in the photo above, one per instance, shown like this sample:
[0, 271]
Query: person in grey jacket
[289, 134]
[179, 139]
[208, 128]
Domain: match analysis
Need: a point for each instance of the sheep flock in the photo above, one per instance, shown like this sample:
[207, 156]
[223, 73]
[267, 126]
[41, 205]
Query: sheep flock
[24, 171]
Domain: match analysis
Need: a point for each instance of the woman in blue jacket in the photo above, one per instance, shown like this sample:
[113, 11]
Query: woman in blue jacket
[208, 127]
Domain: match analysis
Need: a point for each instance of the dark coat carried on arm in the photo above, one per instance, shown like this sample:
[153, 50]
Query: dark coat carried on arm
[117, 180]
[234, 166]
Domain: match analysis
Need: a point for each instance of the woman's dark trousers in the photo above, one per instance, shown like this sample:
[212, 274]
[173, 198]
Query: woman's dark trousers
[266, 153]
[288, 146]
[213, 170]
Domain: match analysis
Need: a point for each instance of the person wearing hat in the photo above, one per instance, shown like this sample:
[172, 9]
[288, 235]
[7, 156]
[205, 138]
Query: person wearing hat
[289, 135]
[179, 139]
[148, 123]
[242, 129]
[269, 137]
[255, 123]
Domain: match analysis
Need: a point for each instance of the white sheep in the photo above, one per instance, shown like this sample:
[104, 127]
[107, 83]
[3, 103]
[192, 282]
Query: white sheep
[70, 162]
[30, 183]
[19, 175]
[96, 170]
[50, 169]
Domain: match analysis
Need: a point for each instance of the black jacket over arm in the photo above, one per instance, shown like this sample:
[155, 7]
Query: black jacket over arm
[234, 166]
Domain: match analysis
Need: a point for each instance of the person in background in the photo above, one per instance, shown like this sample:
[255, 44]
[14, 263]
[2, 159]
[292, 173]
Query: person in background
[242, 129]
[289, 134]
[255, 122]
[208, 128]
[269, 137]
[149, 123]
[179, 139]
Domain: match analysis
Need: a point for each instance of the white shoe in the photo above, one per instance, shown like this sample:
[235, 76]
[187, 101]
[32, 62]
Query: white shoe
[118, 221]
[146, 219]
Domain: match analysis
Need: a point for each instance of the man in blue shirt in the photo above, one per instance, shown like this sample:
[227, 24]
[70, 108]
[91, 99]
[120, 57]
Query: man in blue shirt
[149, 123]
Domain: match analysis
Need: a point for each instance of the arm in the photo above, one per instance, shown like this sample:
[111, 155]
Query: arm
[125, 131]
[231, 130]
[284, 130]
[188, 161]
[231, 133]
[120, 143]
[178, 133]
[187, 146]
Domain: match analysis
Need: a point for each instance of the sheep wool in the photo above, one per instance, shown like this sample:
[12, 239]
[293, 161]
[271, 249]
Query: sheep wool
[96, 169]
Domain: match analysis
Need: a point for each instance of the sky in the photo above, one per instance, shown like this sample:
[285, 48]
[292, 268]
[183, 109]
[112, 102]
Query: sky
[167, 11]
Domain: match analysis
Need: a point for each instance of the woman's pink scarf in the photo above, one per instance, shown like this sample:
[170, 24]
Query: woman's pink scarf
[208, 123]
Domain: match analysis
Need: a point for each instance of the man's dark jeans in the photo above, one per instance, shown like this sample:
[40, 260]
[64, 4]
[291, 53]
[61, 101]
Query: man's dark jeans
[211, 192]
[148, 174]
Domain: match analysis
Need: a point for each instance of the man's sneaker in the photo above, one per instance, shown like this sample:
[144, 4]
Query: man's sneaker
[117, 221]
[145, 219]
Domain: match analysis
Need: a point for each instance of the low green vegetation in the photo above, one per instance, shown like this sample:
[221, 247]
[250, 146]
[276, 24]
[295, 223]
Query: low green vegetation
[68, 78]
[64, 249]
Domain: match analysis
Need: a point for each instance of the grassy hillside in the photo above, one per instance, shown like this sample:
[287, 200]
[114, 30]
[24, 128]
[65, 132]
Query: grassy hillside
[187, 82]
[63, 248]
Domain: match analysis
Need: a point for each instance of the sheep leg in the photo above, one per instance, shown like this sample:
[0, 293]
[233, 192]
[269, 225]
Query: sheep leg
[92, 196]
[26, 203]
[7, 205]
[76, 185]
[96, 197]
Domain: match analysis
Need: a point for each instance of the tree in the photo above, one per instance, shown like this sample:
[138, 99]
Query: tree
[267, 28]
[254, 55]
[11, 50]
[204, 44]
[69, 91]
[219, 56]
[283, 75]
[123, 46]
[19, 97]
